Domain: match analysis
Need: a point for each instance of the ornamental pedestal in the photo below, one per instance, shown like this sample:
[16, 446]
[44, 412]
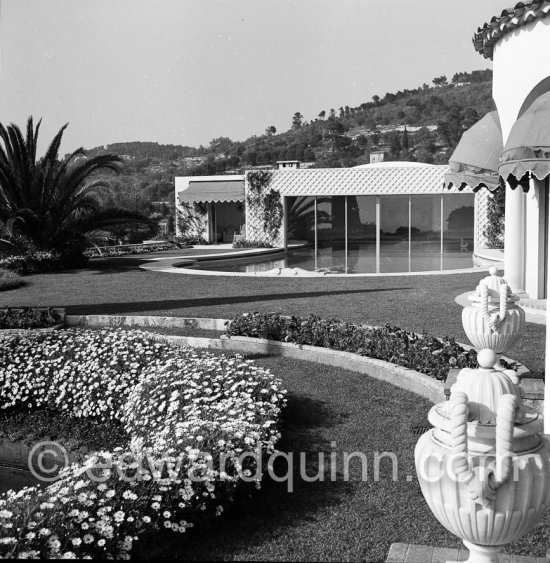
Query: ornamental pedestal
[484, 468]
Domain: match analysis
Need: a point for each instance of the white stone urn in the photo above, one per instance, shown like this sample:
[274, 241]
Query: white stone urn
[484, 468]
[492, 319]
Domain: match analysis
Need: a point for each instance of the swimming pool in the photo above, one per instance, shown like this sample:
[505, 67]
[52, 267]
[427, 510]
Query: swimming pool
[359, 259]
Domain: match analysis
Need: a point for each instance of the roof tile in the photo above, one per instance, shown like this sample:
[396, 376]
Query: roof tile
[523, 13]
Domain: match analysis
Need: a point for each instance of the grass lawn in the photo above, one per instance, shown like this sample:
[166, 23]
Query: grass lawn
[331, 521]
[118, 285]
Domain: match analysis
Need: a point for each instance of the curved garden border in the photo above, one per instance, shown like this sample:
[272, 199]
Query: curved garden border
[399, 376]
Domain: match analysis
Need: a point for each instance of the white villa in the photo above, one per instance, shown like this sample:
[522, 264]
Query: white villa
[348, 215]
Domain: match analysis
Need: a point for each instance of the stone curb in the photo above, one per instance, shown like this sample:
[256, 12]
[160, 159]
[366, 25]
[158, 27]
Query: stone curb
[399, 376]
[404, 378]
[119, 321]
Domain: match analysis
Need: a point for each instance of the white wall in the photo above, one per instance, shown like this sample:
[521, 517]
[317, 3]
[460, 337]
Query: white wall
[520, 61]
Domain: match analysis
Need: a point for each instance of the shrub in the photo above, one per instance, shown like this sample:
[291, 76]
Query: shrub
[33, 262]
[186, 240]
[421, 352]
[126, 249]
[183, 412]
[27, 318]
[9, 280]
[243, 243]
[495, 219]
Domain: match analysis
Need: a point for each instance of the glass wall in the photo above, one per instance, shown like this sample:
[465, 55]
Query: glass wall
[458, 226]
[331, 233]
[367, 234]
[301, 219]
[425, 233]
[361, 234]
[394, 233]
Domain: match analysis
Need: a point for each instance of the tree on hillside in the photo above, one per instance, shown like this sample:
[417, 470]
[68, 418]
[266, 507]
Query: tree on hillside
[53, 204]
[405, 140]
[469, 117]
[440, 81]
[271, 130]
[322, 114]
[297, 120]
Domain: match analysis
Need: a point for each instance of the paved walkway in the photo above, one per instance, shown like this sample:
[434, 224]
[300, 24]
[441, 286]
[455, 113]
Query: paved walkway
[412, 553]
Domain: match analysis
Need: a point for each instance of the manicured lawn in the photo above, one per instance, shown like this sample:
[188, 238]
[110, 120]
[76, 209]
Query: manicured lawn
[418, 303]
[330, 410]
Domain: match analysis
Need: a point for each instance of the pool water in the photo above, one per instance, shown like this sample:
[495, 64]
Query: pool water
[394, 257]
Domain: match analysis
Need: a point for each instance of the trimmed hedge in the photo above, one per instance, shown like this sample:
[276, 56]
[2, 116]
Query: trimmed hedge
[249, 243]
[33, 262]
[27, 318]
[421, 352]
[9, 280]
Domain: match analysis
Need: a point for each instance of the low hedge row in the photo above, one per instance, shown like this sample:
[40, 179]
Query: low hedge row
[26, 318]
[125, 250]
[421, 352]
[33, 262]
[9, 280]
[250, 243]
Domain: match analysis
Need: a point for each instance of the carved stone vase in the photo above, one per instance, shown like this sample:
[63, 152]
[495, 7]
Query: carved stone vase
[492, 319]
[484, 469]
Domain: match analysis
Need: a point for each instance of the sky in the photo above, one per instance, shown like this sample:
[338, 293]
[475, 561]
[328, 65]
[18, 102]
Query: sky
[187, 71]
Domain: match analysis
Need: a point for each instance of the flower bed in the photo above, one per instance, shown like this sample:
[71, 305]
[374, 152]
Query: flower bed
[189, 417]
[420, 352]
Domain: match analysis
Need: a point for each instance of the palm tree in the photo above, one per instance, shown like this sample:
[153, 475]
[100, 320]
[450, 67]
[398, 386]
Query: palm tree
[53, 204]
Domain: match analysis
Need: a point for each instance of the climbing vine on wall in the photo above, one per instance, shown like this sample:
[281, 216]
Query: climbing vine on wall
[495, 215]
[265, 201]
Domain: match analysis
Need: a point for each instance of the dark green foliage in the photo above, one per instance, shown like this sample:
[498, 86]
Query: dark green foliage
[27, 317]
[265, 200]
[53, 204]
[244, 243]
[495, 215]
[34, 262]
[9, 280]
[421, 352]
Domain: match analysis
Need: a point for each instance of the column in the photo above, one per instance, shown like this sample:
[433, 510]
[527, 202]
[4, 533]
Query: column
[534, 239]
[547, 349]
[377, 234]
[514, 239]
[285, 222]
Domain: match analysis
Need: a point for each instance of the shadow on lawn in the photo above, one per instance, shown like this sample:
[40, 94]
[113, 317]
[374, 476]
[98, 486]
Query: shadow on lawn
[148, 306]
[256, 517]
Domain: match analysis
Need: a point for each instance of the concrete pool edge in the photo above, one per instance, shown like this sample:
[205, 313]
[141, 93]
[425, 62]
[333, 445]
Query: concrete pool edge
[187, 264]
[154, 265]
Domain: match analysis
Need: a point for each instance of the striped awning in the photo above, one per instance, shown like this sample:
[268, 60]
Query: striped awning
[213, 191]
[476, 158]
[527, 150]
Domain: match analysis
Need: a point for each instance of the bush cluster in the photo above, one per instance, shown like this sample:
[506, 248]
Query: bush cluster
[9, 280]
[27, 318]
[249, 243]
[421, 352]
[33, 262]
[126, 249]
[183, 413]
